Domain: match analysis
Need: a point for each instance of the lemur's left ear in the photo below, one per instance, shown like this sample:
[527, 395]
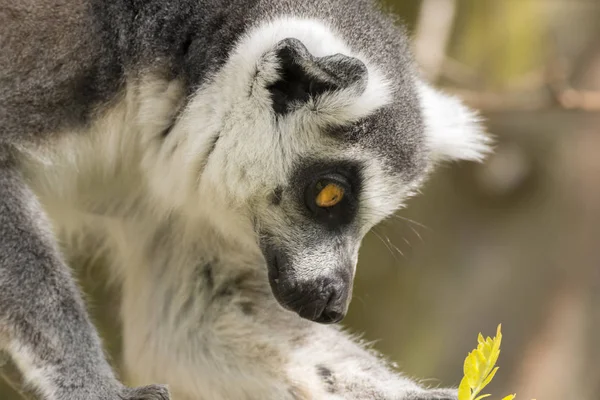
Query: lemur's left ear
[453, 131]
[303, 76]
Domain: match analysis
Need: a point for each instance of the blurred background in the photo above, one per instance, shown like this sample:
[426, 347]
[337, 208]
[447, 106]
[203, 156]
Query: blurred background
[515, 240]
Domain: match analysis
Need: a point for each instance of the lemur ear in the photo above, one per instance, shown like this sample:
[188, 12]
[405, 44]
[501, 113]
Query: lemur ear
[303, 76]
[453, 131]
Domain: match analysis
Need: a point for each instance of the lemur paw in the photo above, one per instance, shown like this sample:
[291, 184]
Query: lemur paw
[150, 392]
[435, 394]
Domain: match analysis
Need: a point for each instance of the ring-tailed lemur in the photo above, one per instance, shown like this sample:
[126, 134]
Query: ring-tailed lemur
[231, 155]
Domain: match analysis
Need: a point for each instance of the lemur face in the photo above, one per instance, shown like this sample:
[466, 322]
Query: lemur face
[316, 147]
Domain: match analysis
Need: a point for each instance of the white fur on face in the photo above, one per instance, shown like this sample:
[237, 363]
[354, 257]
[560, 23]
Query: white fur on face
[453, 131]
[254, 148]
[124, 157]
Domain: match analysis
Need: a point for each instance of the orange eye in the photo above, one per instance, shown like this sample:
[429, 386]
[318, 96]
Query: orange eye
[330, 195]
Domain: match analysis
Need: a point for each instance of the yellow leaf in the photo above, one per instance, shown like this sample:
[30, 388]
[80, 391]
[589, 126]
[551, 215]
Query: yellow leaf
[487, 348]
[491, 362]
[480, 367]
[496, 346]
[484, 349]
[464, 392]
[489, 378]
[471, 370]
[481, 361]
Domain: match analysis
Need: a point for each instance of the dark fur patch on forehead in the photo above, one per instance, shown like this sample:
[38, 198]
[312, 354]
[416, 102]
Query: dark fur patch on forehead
[303, 76]
[394, 133]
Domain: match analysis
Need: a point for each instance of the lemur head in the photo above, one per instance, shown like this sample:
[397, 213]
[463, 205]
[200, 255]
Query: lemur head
[311, 145]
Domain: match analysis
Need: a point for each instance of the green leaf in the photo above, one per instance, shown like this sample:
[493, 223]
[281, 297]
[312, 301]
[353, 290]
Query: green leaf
[483, 396]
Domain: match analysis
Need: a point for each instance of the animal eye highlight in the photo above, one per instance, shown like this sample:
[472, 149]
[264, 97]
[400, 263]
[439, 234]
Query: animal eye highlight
[330, 199]
[329, 194]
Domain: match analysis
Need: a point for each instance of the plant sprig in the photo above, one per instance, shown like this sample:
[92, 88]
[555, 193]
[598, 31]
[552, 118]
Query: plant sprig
[480, 368]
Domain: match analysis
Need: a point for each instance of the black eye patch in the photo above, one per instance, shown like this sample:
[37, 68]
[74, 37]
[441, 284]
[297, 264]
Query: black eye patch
[334, 209]
[340, 210]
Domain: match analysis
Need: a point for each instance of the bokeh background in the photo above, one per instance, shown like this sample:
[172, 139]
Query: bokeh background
[515, 240]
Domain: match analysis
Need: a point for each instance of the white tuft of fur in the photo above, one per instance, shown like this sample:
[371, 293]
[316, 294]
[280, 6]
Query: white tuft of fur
[453, 131]
[38, 376]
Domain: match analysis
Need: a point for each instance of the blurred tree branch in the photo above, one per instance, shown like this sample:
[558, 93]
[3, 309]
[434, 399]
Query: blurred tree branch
[434, 29]
[549, 86]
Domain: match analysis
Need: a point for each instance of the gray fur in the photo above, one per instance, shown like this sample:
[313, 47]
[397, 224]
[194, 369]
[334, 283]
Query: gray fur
[56, 74]
[153, 127]
[42, 316]
[59, 62]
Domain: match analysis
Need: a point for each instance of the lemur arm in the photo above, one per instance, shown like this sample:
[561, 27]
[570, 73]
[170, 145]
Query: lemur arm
[208, 325]
[44, 326]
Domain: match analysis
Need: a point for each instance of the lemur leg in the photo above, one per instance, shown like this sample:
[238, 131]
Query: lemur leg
[43, 322]
[210, 327]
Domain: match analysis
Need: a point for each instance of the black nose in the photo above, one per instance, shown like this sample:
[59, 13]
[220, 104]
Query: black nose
[327, 308]
[331, 315]
[324, 301]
